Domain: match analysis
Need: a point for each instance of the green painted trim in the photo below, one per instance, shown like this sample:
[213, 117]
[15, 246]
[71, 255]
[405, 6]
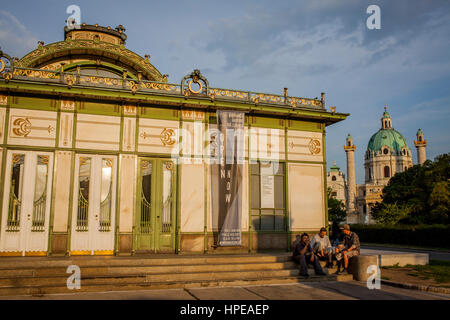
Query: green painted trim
[177, 99]
[301, 125]
[99, 108]
[2, 181]
[4, 157]
[34, 103]
[159, 112]
[266, 122]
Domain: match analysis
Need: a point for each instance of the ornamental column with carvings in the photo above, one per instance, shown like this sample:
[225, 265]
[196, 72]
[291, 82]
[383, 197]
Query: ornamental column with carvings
[421, 146]
[351, 181]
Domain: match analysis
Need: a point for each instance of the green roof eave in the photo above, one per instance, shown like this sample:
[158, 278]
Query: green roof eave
[304, 112]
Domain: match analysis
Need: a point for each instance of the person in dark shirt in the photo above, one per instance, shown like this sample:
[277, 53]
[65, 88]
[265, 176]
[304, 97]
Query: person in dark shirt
[304, 255]
[351, 245]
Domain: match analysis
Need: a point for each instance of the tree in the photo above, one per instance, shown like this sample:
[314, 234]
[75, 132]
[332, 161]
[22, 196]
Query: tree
[388, 213]
[418, 195]
[336, 209]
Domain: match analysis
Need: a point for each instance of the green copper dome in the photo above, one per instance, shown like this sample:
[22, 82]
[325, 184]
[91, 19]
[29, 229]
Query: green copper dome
[334, 167]
[390, 138]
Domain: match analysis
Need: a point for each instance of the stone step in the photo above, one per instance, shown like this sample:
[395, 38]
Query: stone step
[48, 275]
[43, 290]
[144, 270]
[97, 261]
[151, 278]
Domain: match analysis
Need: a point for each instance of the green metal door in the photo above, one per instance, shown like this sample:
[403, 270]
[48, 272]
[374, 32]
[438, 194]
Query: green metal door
[155, 214]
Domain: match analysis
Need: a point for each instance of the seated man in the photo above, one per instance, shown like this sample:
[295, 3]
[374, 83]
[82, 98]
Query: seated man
[350, 248]
[304, 255]
[321, 246]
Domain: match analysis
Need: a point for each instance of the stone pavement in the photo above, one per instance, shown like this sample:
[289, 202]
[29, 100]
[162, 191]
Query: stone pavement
[330, 290]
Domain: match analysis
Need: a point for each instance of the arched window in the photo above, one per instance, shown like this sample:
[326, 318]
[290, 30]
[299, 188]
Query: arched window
[387, 172]
[420, 138]
[349, 143]
[406, 168]
[333, 178]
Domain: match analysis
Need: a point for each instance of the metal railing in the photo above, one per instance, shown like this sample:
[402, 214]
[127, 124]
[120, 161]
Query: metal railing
[145, 221]
[38, 220]
[144, 86]
[82, 213]
[105, 213]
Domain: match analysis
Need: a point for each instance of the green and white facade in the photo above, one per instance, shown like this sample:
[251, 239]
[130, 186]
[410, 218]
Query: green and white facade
[93, 160]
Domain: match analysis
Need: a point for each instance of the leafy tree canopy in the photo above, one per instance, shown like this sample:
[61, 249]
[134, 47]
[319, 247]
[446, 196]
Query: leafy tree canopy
[336, 209]
[421, 194]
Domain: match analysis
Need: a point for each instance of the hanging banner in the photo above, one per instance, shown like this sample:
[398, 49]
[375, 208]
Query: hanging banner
[226, 177]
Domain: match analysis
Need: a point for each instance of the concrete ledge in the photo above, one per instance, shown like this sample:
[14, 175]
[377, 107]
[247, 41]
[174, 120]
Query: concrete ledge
[416, 287]
[391, 258]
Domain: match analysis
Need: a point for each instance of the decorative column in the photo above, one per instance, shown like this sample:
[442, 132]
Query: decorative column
[351, 181]
[421, 146]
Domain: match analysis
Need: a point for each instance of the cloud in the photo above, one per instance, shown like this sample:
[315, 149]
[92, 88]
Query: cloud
[15, 38]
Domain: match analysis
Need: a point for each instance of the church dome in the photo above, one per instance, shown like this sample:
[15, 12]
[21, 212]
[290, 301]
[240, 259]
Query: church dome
[390, 138]
[387, 140]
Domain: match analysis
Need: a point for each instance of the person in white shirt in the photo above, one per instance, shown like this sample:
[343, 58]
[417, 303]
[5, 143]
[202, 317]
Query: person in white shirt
[321, 245]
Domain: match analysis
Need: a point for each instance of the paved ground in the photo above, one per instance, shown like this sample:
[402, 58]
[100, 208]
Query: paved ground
[437, 255]
[330, 290]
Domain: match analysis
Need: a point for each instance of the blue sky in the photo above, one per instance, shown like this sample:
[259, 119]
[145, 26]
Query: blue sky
[308, 46]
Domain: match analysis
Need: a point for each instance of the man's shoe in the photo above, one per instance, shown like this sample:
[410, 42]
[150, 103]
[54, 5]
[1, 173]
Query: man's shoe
[321, 274]
[338, 271]
[305, 275]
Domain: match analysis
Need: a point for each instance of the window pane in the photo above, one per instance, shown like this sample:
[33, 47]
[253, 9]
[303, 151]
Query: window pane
[267, 222]
[267, 212]
[255, 192]
[84, 178]
[40, 194]
[146, 173]
[266, 168]
[15, 193]
[167, 197]
[105, 195]
[279, 223]
[254, 167]
[267, 191]
[278, 168]
[255, 222]
[279, 192]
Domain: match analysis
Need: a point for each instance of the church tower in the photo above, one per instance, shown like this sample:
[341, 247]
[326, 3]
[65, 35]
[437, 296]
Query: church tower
[351, 181]
[421, 146]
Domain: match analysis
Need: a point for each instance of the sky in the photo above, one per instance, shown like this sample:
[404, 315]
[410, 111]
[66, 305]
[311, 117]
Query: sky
[309, 47]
